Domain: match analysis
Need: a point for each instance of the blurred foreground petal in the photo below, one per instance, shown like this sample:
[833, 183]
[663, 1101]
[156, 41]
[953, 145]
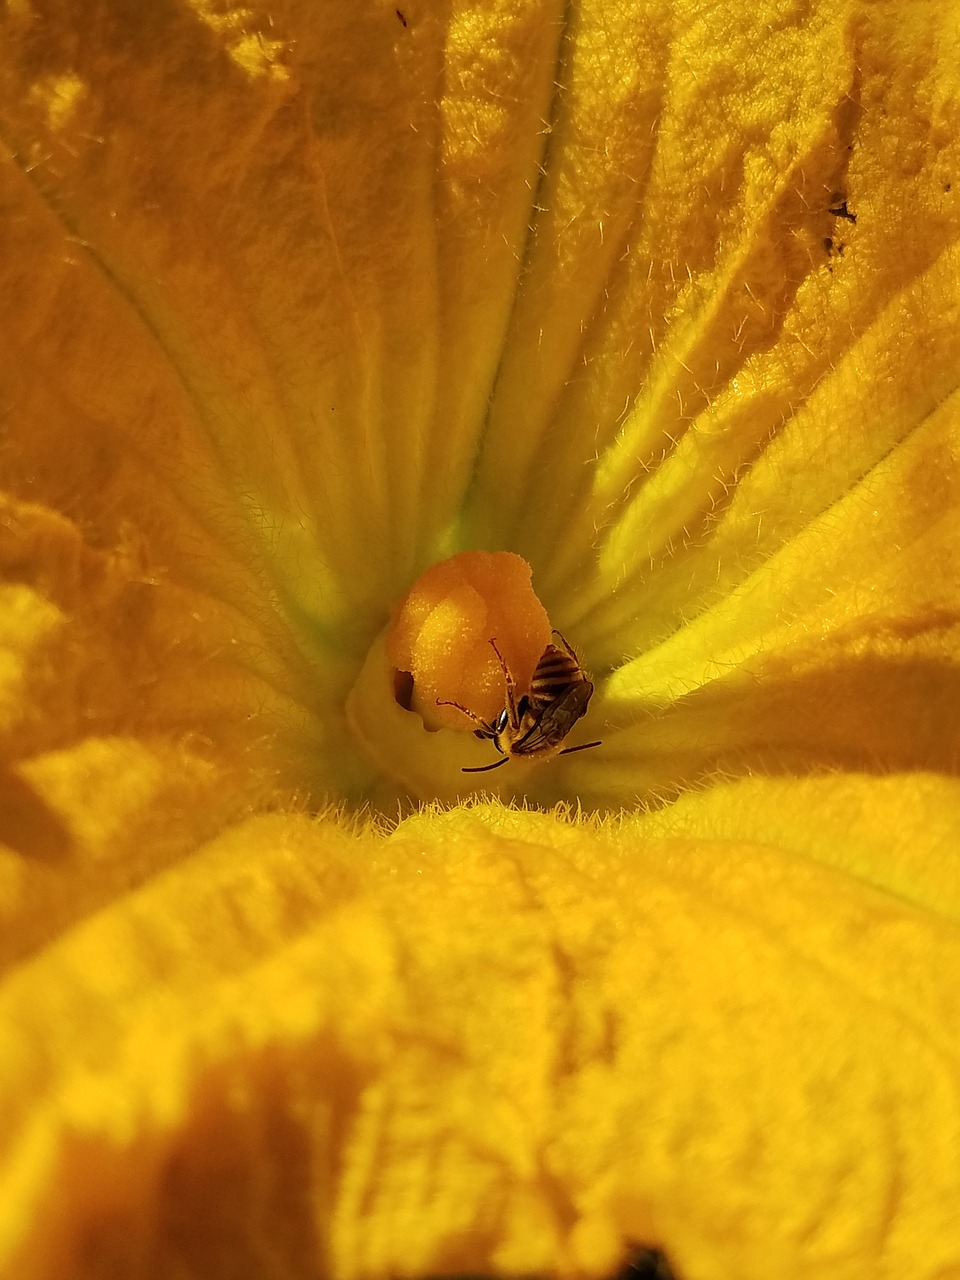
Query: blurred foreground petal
[497, 1040]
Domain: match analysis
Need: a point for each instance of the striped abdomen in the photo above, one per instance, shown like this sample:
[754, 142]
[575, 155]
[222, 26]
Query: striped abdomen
[557, 671]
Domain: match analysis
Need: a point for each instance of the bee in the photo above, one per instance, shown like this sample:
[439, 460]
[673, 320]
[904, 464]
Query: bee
[533, 725]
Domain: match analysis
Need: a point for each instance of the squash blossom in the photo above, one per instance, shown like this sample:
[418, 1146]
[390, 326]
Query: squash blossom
[348, 351]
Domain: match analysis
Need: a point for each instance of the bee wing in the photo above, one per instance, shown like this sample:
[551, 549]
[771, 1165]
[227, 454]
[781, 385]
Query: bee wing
[555, 721]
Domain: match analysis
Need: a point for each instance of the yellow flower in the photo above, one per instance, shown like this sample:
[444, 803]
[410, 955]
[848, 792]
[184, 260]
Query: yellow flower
[301, 299]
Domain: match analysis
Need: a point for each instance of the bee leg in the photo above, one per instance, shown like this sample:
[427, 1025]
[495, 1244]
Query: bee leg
[484, 731]
[511, 690]
[565, 645]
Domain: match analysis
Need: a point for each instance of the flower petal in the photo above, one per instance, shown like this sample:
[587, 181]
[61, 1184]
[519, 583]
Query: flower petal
[840, 652]
[264, 265]
[499, 1041]
[260, 275]
[118, 713]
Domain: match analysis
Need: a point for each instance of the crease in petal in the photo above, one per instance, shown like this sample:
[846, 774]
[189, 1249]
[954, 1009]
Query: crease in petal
[600, 136]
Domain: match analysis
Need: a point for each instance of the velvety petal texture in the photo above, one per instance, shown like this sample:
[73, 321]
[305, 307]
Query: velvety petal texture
[300, 299]
[661, 297]
[496, 1042]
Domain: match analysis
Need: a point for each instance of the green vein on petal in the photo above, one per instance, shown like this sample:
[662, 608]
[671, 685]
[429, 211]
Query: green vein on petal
[498, 83]
[600, 143]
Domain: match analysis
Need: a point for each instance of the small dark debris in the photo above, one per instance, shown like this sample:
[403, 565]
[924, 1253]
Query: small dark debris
[828, 243]
[947, 186]
[646, 1264]
[642, 1264]
[841, 211]
[399, 14]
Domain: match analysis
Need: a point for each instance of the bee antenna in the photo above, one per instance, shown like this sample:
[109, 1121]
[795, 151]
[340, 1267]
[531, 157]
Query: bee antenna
[584, 746]
[485, 768]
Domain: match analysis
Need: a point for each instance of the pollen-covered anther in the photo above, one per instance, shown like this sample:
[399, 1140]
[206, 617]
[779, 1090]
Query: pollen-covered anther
[441, 633]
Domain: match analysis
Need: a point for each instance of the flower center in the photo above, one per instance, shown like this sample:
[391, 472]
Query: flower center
[465, 640]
